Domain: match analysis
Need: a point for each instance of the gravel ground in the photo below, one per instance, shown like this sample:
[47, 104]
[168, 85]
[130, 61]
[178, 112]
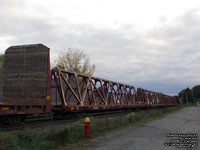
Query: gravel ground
[152, 135]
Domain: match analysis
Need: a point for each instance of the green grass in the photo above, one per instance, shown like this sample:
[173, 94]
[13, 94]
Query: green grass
[73, 134]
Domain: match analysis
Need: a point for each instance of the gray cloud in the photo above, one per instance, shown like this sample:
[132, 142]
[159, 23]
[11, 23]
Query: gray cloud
[164, 59]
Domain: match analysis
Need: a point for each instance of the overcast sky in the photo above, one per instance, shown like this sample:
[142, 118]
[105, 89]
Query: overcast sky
[152, 44]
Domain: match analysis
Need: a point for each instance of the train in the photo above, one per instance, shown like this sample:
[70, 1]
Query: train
[28, 87]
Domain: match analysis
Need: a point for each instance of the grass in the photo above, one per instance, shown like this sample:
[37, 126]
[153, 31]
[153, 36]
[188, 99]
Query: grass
[72, 135]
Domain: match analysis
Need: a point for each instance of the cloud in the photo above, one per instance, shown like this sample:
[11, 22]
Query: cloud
[164, 58]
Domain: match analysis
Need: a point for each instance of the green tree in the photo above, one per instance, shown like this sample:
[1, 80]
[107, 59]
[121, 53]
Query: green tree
[75, 60]
[1, 61]
[186, 95]
[196, 92]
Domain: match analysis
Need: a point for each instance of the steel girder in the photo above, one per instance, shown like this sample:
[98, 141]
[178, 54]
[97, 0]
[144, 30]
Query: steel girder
[83, 91]
[80, 89]
[150, 97]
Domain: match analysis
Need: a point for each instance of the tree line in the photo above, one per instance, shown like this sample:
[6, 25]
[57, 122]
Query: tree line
[190, 95]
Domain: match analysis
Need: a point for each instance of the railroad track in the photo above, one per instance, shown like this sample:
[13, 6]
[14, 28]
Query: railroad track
[46, 122]
[51, 121]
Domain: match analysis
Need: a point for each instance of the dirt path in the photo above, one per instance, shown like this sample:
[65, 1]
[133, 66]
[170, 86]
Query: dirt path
[151, 136]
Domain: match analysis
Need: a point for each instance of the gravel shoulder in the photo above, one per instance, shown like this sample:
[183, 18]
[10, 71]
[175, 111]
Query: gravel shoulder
[152, 135]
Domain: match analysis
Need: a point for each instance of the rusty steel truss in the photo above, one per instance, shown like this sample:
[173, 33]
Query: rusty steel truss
[82, 92]
[152, 98]
[67, 91]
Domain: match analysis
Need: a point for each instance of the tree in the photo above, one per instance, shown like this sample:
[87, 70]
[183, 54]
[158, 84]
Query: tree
[75, 60]
[1, 61]
[190, 95]
[186, 95]
[196, 92]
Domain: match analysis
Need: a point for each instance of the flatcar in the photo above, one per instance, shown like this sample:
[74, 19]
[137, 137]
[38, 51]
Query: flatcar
[28, 88]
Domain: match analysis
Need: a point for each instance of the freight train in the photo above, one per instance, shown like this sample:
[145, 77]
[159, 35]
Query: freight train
[30, 88]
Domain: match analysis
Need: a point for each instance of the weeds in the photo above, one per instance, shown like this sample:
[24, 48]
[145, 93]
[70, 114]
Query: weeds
[33, 139]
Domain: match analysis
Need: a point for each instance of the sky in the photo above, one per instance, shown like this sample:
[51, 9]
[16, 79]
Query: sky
[152, 44]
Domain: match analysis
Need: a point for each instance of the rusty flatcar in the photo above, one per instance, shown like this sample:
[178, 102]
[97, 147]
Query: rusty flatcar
[29, 87]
